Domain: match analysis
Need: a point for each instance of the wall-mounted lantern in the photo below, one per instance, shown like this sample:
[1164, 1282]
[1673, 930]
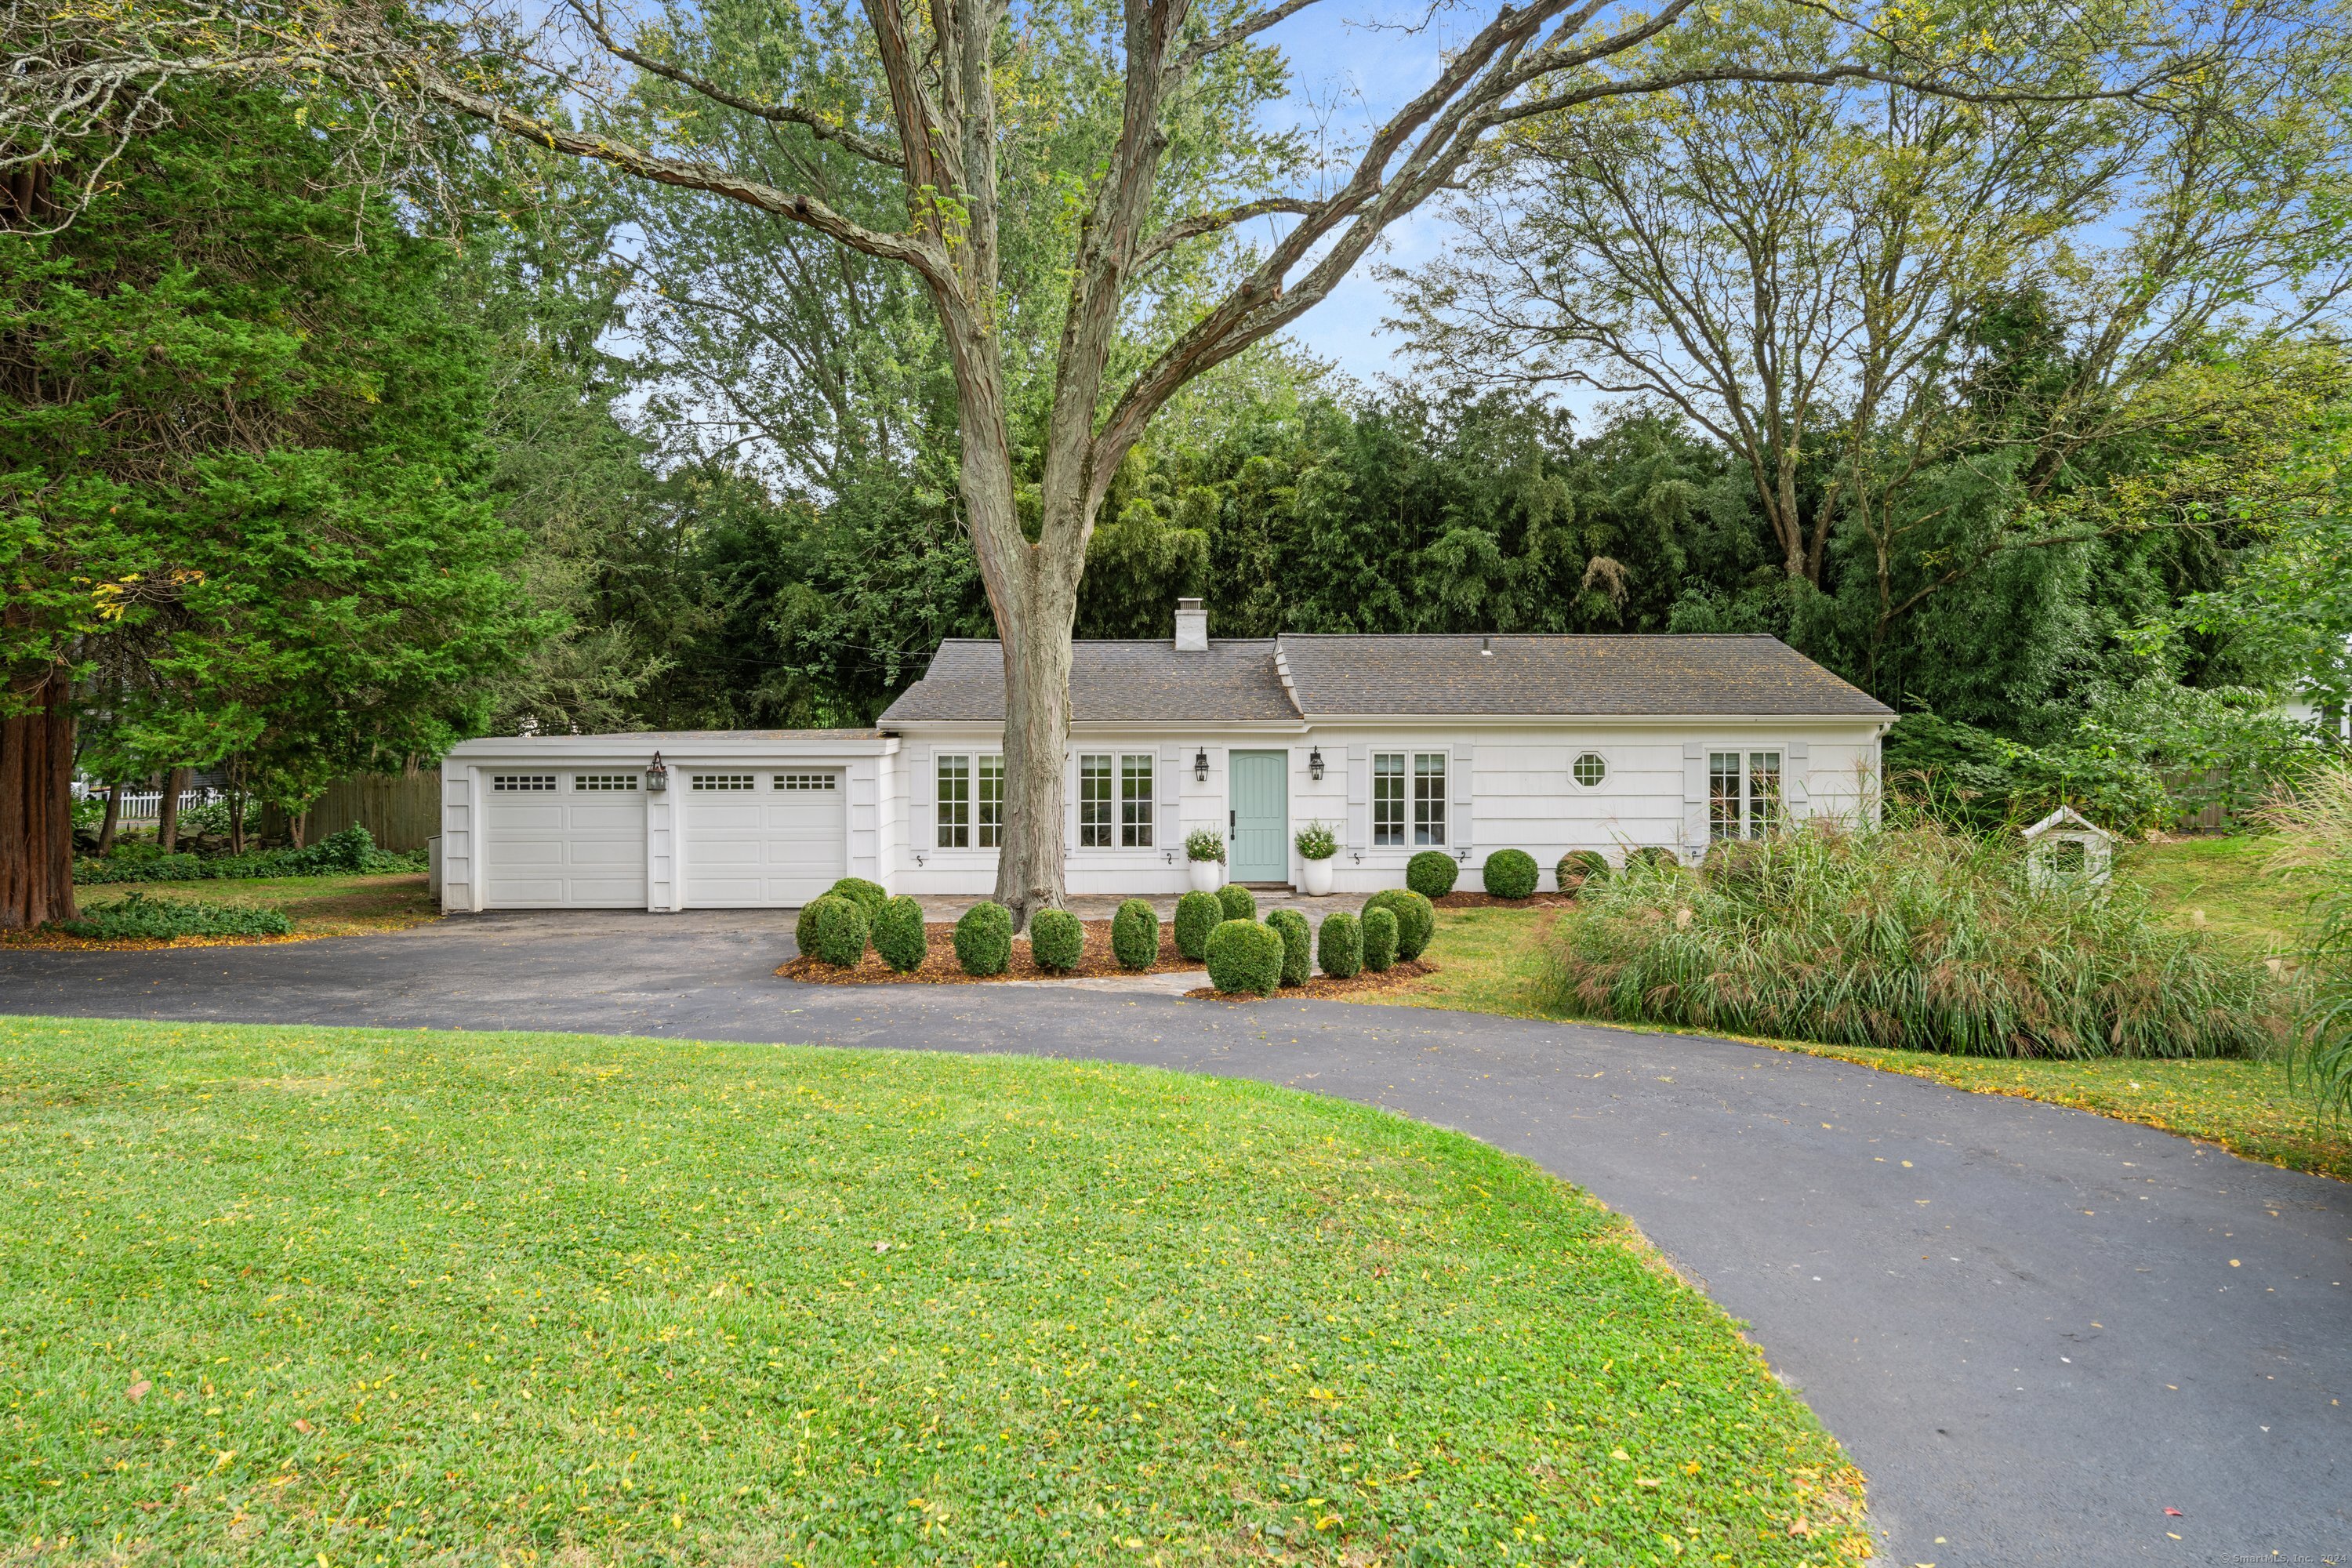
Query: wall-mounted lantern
[657, 775]
[1201, 765]
[1314, 765]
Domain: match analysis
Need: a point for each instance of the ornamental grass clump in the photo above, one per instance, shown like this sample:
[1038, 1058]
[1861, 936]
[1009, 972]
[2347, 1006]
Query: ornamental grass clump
[1578, 866]
[898, 934]
[1135, 935]
[1057, 941]
[1297, 944]
[984, 939]
[1379, 946]
[1246, 956]
[1197, 914]
[834, 929]
[1509, 874]
[1917, 937]
[1340, 945]
[1238, 903]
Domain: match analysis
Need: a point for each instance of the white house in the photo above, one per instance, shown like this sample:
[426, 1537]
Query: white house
[1465, 744]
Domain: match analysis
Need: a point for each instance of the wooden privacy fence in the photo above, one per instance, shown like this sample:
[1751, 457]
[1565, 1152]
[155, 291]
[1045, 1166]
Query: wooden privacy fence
[400, 811]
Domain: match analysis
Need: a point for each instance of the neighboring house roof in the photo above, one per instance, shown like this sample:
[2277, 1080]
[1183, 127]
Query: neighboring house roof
[1291, 677]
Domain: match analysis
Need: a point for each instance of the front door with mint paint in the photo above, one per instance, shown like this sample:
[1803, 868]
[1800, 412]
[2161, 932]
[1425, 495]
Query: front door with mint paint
[1261, 816]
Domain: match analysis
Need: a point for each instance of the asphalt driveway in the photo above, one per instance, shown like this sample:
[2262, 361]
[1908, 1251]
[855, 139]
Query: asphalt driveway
[2035, 1329]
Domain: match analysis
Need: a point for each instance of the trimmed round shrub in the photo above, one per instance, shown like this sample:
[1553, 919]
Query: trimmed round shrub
[837, 929]
[1656, 855]
[1578, 866]
[1340, 945]
[898, 934]
[1135, 935]
[984, 939]
[1238, 903]
[1431, 873]
[1297, 944]
[1416, 921]
[1057, 939]
[1380, 939]
[1246, 956]
[869, 896]
[1510, 874]
[1197, 914]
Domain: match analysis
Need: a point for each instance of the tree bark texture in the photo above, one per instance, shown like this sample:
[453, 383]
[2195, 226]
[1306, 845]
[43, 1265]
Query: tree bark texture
[167, 810]
[112, 823]
[36, 748]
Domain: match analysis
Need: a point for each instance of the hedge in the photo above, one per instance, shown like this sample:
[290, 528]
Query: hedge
[1297, 944]
[1380, 938]
[1340, 945]
[1510, 874]
[837, 929]
[1135, 935]
[1057, 939]
[1431, 873]
[1416, 921]
[898, 934]
[1238, 903]
[984, 939]
[1246, 956]
[1197, 914]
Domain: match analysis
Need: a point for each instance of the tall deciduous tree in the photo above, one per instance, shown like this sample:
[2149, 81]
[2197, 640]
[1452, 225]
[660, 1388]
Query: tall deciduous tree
[936, 101]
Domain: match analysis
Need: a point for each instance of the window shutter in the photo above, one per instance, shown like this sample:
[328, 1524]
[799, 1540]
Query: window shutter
[1171, 786]
[1359, 798]
[922, 785]
[1796, 766]
[1695, 796]
[1462, 832]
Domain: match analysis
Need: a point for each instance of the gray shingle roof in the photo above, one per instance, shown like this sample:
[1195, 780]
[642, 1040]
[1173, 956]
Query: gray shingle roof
[1240, 680]
[1527, 675]
[1109, 682]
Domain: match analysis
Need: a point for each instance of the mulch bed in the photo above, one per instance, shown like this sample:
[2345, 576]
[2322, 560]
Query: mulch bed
[939, 966]
[1489, 902]
[1396, 976]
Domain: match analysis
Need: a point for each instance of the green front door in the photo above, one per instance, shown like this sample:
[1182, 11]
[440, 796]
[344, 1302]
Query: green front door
[1261, 816]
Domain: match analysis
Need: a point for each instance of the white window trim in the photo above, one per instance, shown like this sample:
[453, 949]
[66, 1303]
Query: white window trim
[972, 756]
[1747, 752]
[1608, 768]
[1154, 804]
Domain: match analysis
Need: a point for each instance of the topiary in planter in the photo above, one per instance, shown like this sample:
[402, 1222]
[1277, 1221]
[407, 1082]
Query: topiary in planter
[984, 939]
[1431, 873]
[1578, 866]
[1239, 902]
[837, 929]
[1380, 939]
[898, 934]
[1057, 939]
[1416, 921]
[1510, 874]
[1297, 944]
[1135, 935]
[1340, 945]
[1197, 914]
[869, 896]
[1245, 956]
[1655, 855]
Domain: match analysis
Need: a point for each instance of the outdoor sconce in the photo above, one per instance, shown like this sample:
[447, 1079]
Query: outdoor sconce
[1201, 765]
[1314, 765]
[657, 775]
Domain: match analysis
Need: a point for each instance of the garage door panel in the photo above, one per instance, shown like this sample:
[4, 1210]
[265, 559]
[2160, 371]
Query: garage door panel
[767, 848]
[564, 846]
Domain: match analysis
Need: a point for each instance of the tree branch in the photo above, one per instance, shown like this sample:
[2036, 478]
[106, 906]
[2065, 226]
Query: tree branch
[1201, 223]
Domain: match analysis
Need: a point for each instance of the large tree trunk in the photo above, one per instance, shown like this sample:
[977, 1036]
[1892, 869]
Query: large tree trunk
[36, 748]
[112, 822]
[1036, 633]
[167, 810]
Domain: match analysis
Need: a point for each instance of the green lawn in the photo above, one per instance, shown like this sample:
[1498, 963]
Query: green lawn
[1489, 960]
[300, 1295]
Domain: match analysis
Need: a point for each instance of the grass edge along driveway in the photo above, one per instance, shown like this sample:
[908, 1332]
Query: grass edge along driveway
[271, 1292]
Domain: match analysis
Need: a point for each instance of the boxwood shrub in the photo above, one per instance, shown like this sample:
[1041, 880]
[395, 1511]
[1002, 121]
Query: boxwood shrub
[1578, 866]
[984, 939]
[1135, 935]
[868, 896]
[1510, 874]
[1057, 939]
[898, 934]
[1416, 921]
[1297, 944]
[1340, 945]
[1239, 902]
[1380, 938]
[1431, 873]
[837, 929]
[1245, 956]
[1197, 914]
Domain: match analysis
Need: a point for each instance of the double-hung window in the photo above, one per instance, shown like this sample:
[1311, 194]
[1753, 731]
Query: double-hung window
[1114, 800]
[1094, 800]
[971, 802]
[1429, 797]
[1135, 802]
[1743, 795]
[1388, 798]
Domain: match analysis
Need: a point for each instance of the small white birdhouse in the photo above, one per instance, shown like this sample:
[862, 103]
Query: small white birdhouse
[2065, 851]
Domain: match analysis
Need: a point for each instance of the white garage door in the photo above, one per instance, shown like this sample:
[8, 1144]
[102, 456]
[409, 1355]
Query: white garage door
[565, 839]
[763, 836]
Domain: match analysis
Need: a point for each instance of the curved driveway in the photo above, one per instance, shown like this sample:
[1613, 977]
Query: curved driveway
[2034, 1330]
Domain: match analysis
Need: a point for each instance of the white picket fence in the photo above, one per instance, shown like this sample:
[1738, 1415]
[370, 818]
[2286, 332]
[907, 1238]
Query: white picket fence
[147, 804]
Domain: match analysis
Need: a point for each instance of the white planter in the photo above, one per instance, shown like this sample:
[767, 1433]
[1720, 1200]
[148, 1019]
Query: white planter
[1208, 876]
[1317, 877]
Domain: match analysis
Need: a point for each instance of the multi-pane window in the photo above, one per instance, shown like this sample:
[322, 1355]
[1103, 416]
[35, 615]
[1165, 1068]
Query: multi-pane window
[992, 803]
[1388, 797]
[1135, 804]
[955, 803]
[1743, 793]
[522, 784]
[808, 781]
[1590, 769]
[1429, 797]
[1094, 802]
[604, 780]
[722, 781]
